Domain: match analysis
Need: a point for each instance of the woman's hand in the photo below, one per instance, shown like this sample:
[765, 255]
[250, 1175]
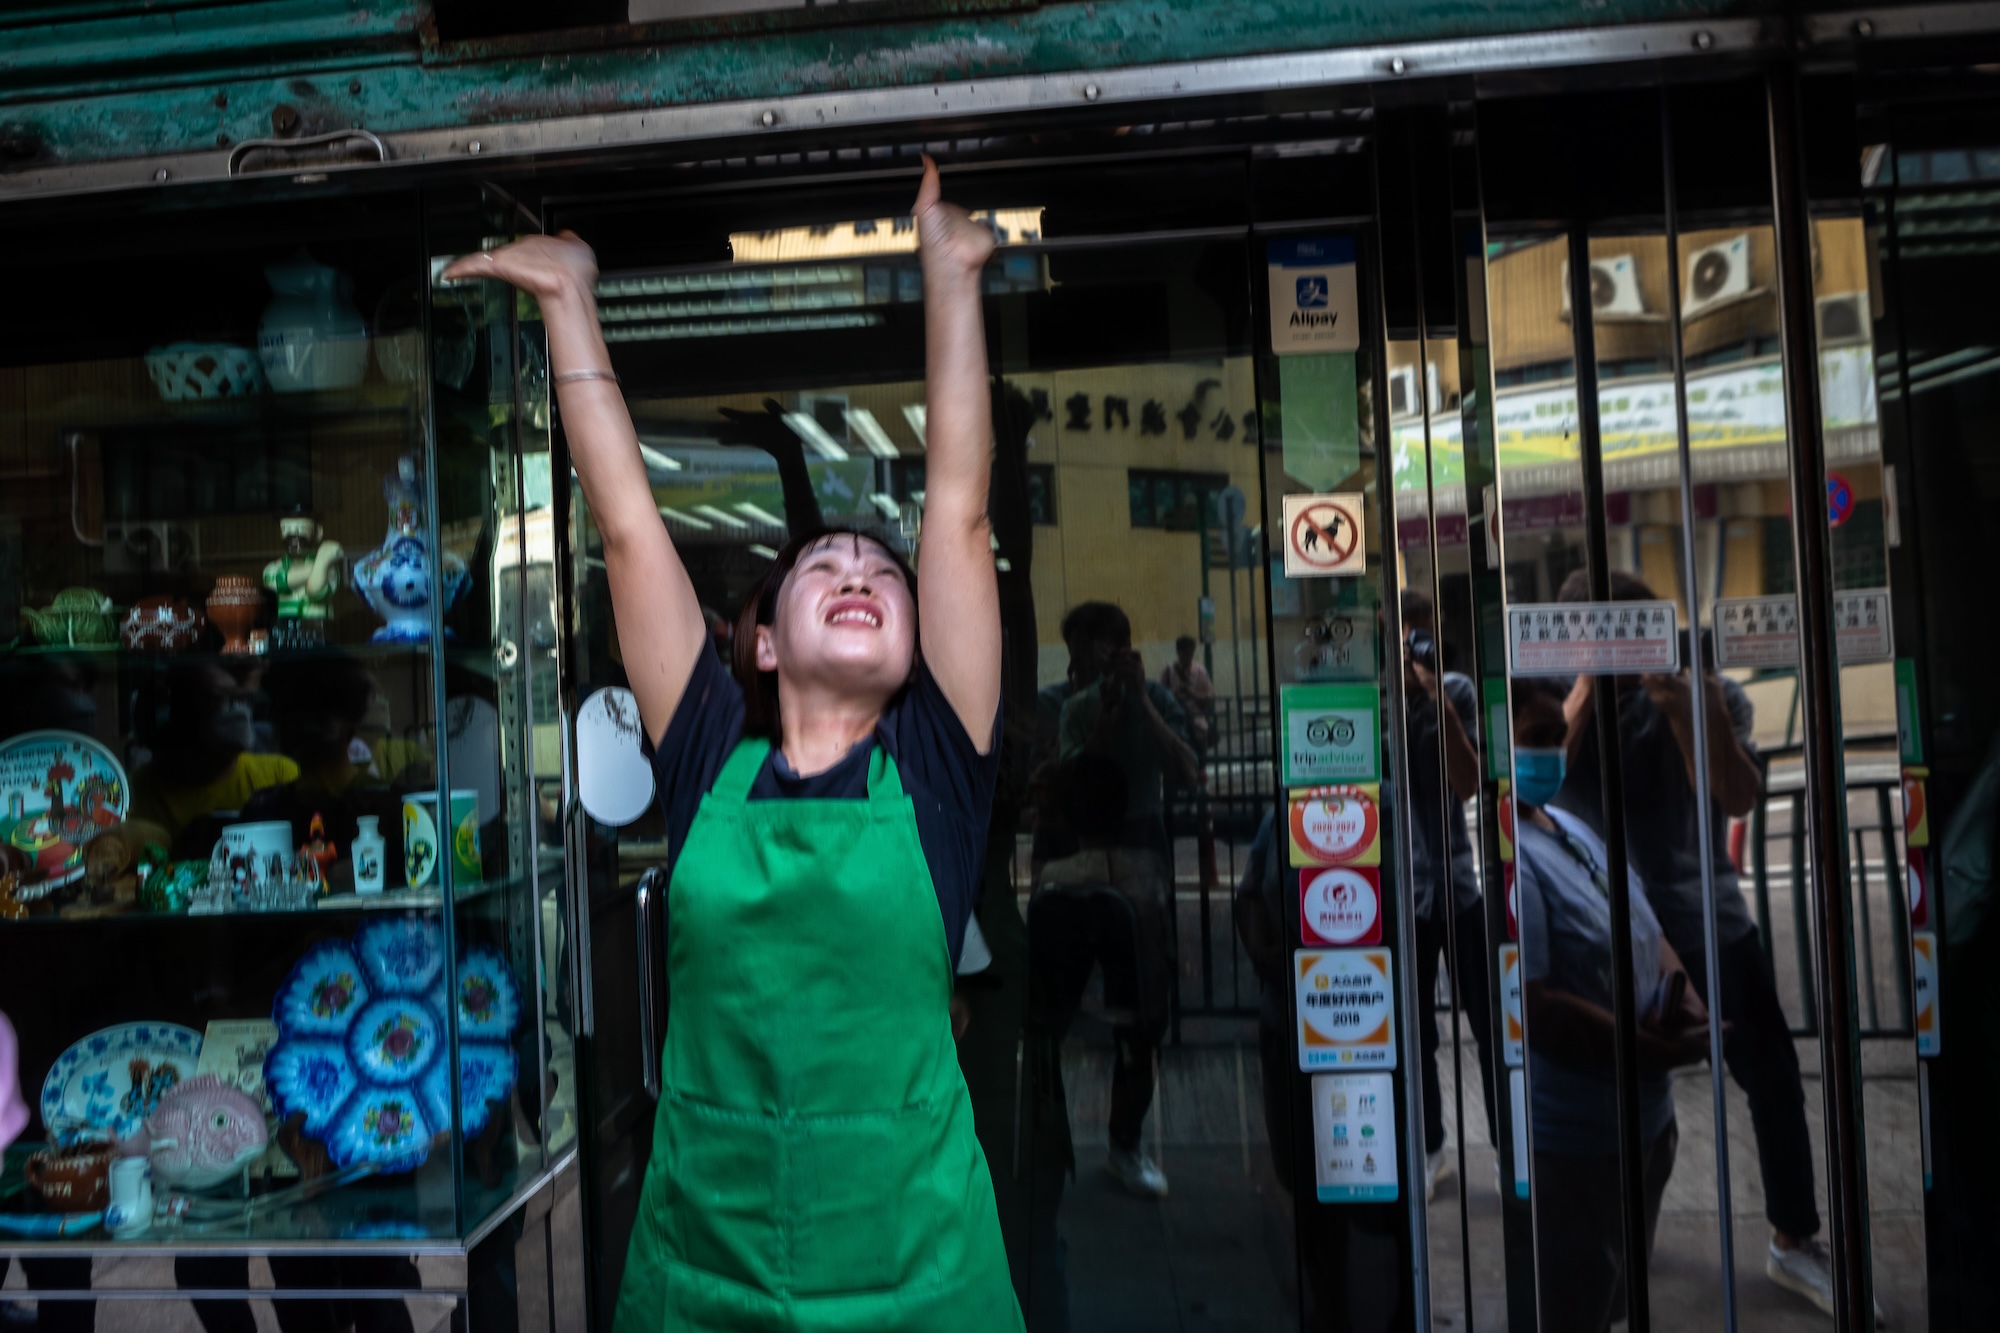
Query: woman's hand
[946, 234]
[548, 268]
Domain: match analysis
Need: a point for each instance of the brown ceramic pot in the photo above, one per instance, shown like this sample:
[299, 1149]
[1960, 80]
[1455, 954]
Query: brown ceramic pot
[75, 1179]
[161, 624]
[233, 608]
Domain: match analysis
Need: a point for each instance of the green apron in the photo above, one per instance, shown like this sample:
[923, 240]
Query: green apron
[814, 1166]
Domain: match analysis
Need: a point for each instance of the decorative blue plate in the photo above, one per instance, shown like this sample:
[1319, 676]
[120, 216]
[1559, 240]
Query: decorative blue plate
[309, 1076]
[383, 1125]
[489, 1002]
[90, 1092]
[362, 1042]
[486, 1073]
[323, 993]
[394, 1040]
[402, 955]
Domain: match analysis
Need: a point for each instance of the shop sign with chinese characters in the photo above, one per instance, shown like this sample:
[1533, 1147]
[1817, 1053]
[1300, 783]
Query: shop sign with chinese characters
[1592, 638]
[1347, 1009]
[1753, 632]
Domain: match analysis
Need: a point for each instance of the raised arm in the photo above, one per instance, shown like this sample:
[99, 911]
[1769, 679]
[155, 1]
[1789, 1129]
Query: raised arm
[659, 620]
[958, 593]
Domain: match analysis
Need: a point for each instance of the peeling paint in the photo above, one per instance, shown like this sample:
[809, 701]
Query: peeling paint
[75, 111]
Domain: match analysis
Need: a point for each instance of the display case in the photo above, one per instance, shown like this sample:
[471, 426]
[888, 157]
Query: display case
[282, 923]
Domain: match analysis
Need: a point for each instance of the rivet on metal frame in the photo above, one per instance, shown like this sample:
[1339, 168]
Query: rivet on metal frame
[160, 175]
[1397, 65]
[475, 147]
[1091, 92]
[768, 119]
[1864, 27]
[1703, 40]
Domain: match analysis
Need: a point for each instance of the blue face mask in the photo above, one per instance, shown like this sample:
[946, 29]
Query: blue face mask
[1538, 775]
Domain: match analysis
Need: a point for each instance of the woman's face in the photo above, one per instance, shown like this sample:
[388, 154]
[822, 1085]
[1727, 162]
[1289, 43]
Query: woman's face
[845, 619]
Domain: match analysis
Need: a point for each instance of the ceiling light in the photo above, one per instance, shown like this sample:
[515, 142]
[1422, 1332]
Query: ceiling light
[729, 520]
[761, 515]
[887, 504]
[915, 414]
[698, 524]
[757, 548]
[806, 428]
[658, 461]
[863, 423]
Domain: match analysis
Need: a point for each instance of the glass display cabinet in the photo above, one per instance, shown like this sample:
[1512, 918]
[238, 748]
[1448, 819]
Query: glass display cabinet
[282, 928]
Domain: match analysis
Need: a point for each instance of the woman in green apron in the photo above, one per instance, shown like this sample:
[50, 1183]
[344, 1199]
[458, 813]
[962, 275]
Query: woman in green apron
[814, 1165]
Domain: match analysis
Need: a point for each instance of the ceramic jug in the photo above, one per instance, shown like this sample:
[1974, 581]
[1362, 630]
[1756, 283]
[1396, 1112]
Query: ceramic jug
[395, 578]
[311, 336]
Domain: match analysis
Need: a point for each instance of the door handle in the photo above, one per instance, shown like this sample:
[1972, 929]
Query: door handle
[249, 146]
[652, 888]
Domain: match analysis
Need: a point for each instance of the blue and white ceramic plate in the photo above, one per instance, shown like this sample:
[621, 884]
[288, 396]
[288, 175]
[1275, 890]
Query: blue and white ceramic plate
[362, 1047]
[91, 1092]
[310, 1076]
[489, 1001]
[323, 993]
[401, 955]
[486, 1073]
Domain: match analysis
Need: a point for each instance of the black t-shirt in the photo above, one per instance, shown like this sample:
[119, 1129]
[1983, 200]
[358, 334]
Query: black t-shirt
[948, 781]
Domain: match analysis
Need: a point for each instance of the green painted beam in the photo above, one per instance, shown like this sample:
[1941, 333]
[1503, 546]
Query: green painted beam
[390, 80]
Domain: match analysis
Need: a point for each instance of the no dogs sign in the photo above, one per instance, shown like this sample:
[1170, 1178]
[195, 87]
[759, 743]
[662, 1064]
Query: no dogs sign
[1323, 536]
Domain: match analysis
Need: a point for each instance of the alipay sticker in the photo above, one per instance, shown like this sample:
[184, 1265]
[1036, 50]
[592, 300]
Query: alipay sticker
[1314, 302]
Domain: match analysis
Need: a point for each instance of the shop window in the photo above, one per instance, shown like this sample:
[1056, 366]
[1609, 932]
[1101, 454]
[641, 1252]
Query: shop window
[906, 482]
[1175, 501]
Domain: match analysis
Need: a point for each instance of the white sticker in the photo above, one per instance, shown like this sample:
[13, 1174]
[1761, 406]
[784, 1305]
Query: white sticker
[1315, 303]
[614, 781]
[1754, 632]
[1323, 535]
[1592, 638]
[1354, 1138]
[1510, 1004]
[1347, 1009]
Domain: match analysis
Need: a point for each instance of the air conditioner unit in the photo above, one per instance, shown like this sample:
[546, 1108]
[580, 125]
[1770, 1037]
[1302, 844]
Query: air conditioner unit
[1843, 319]
[1403, 400]
[1717, 274]
[1614, 289]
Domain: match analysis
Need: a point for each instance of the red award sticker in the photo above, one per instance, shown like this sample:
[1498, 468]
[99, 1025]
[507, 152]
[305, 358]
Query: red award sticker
[1335, 826]
[1340, 905]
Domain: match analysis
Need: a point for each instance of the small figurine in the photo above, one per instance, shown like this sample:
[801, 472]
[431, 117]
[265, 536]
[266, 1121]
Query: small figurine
[305, 579]
[395, 578]
[318, 849]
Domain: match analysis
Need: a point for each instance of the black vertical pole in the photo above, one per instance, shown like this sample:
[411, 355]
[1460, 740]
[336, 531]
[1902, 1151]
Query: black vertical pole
[1825, 793]
[1625, 1031]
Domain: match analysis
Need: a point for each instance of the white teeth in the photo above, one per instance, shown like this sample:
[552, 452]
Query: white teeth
[863, 617]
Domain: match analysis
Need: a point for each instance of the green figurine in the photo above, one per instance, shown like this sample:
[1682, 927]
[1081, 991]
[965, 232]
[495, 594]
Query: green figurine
[305, 580]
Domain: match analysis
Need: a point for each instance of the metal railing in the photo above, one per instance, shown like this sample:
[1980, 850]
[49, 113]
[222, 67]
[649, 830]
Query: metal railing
[1775, 849]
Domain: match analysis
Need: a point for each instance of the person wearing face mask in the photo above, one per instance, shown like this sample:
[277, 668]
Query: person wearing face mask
[1563, 897]
[814, 1164]
[1662, 811]
[201, 760]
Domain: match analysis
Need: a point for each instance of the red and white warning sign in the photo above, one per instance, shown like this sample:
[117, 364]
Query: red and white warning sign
[1323, 536]
[1340, 905]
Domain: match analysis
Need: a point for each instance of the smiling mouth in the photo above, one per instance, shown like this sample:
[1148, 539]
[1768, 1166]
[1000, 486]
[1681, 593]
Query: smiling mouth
[855, 615]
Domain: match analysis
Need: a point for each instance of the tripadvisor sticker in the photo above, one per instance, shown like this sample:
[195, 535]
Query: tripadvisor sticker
[1335, 826]
[1332, 734]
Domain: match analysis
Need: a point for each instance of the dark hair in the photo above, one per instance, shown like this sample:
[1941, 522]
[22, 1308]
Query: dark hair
[1416, 605]
[1624, 587]
[1095, 621]
[760, 688]
[1186, 643]
[1528, 689]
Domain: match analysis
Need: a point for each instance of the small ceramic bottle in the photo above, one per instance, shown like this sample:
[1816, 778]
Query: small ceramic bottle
[368, 848]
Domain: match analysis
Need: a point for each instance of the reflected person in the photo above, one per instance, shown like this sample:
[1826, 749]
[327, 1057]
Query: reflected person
[1563, 896]
[1656, 742]
[1440, 841]
[1188, 681]
[1116, 713]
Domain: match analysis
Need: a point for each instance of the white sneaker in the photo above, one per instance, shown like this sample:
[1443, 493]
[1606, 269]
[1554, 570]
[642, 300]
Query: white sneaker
[1437, 1166]
[1137, 1172]
[1808, 1271]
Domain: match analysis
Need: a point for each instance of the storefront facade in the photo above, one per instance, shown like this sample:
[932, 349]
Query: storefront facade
[1334, 365]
